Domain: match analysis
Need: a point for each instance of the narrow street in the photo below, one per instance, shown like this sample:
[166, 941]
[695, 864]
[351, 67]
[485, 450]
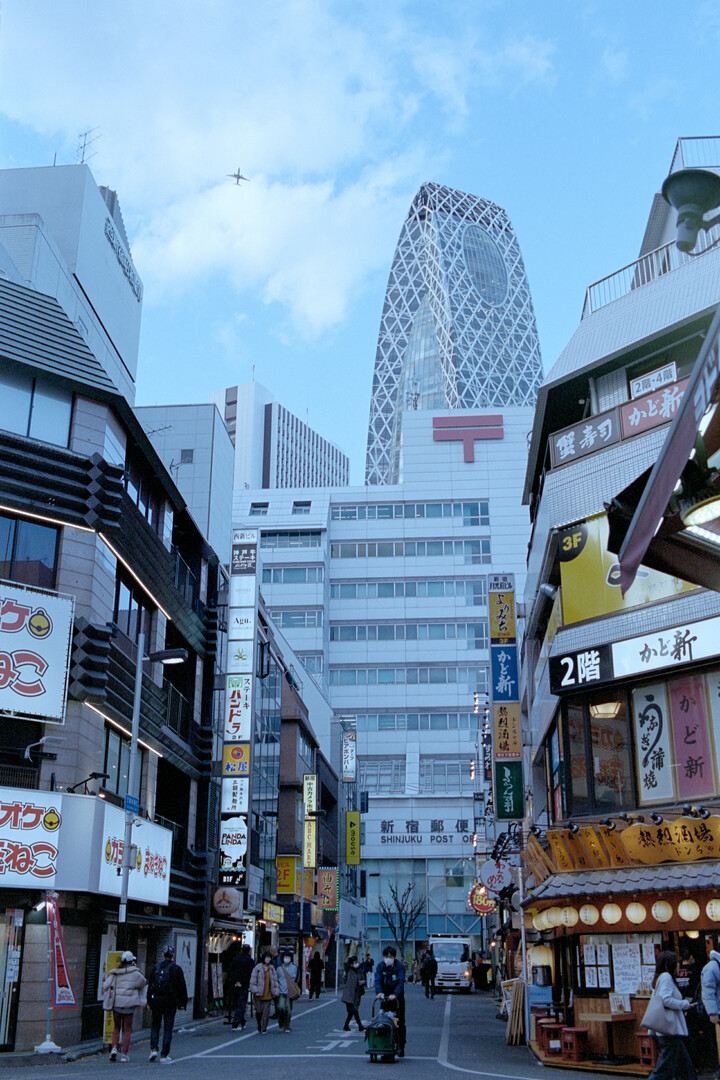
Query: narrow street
[455, 1033]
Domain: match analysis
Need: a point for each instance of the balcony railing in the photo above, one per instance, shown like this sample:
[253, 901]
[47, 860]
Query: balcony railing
[179, 840]
[178, 716]
[641, 272]
[19, 776]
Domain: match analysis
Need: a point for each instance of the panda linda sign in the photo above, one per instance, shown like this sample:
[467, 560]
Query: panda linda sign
[35, 638]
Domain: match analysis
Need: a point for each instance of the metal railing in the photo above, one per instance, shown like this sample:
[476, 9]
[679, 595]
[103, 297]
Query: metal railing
[178, 714]
[641, 272]
[697, 152]
[19, 776]
[179, 840]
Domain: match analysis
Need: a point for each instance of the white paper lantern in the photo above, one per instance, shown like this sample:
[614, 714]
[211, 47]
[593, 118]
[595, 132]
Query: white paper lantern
[540, 922]
[662, 911]
[712, 909]
[636, 912]
[589, 914]
[688, 910]
[569, 916]
[554, 916]
[611, 913]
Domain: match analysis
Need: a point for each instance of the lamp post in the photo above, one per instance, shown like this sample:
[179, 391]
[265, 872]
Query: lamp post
[132, 801]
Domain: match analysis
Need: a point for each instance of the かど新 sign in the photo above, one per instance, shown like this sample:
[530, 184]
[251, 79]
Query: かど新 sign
[35, 637]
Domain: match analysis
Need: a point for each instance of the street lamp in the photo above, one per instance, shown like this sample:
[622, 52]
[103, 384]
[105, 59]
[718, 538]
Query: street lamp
[132, 801]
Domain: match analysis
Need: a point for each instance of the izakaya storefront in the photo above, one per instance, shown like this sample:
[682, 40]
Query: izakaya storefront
[59, 860]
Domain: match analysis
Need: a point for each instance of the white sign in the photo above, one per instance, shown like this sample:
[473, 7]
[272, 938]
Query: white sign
[652, 739]
[412, 830]
[351, 920]
[496, 876]
[149, 878]
[234, 794]
[653, 380]
[35, 638]
[238, 708]
[349, 757]
[666, 648]
[627, 968]
[241, 624]
[242, 591]
[233, 842]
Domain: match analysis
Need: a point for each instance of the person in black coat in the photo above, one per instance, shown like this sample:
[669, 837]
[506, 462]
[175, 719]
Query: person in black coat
[166, 994]
[315, 967]
[429, 973]
[238, 981]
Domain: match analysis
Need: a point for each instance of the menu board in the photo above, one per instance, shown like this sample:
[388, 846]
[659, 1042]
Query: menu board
[627, 968]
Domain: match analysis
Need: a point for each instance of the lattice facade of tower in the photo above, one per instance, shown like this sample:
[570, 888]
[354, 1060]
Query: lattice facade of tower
[458, 327]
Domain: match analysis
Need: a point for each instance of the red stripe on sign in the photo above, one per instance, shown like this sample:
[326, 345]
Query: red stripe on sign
[467, 421]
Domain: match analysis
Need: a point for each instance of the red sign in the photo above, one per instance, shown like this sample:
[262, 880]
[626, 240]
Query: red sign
[61, 989]
[693, 753]
[466, 429]
[480, 902]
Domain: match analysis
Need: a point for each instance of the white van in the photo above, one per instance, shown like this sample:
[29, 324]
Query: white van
[452, 952]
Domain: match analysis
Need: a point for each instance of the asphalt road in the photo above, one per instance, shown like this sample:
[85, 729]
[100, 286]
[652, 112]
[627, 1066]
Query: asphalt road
[450, 1034]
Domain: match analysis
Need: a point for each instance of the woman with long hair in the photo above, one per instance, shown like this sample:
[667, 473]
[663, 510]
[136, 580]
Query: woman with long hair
[674, 1062]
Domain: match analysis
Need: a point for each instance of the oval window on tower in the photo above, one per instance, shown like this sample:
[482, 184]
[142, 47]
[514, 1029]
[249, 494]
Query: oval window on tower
[485, 265]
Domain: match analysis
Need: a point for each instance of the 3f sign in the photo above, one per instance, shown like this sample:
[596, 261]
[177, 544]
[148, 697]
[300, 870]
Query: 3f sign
[573, 540]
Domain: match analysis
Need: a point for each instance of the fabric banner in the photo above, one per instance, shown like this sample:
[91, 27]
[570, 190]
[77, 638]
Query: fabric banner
[62, 996]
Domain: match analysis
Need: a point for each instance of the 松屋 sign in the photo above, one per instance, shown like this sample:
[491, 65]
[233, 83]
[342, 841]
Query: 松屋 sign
[35, 638]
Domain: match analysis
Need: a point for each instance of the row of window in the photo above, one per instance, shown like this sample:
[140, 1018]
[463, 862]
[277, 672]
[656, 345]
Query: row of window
[290, 538]
[472, 513]
[475, 678]
[260, 509]
[293, 575]
[475, 634]
[474, 591]
[472, 551]
[293, 620]
[436, 777]
[34, 408]
[418, 722]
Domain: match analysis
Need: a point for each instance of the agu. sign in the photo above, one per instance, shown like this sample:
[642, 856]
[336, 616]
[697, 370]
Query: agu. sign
[35, 636]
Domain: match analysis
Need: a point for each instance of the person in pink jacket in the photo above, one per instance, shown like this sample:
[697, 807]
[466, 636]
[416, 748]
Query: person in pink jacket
[123, 992]
[265, 988]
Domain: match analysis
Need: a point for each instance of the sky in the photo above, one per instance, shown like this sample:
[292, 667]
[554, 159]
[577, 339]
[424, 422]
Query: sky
[565, 112]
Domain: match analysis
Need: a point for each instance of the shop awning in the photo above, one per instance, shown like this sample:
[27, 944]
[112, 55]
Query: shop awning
[654, 497]
[665, 877]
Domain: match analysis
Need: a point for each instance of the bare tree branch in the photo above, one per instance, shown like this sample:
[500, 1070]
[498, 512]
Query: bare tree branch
[402, 914]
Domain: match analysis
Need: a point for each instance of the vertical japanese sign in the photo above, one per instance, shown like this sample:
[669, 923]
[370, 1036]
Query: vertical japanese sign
[310, 792]
[239, 688]
[652, 739]
[62, 996]
[327, 890]
[352, 838]
[349, 757]
[507, 741]
[692, 737]
[310, 843]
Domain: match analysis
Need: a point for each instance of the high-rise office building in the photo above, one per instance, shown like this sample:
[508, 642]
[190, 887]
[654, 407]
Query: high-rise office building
[383, 594]
[273, 447]
[458, 327]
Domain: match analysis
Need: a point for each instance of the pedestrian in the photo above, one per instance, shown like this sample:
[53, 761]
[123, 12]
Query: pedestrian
[264, 988]
[674, 1062]
[368, 964]
[710, 986]
[390, 986]
[353, 991]
[238, 977]
[167, 993]
[429, 973]
[416, 970]
[315, 967]
[287, 974]
[123, 993]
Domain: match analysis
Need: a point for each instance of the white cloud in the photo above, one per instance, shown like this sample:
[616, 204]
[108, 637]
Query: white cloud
[318, 105]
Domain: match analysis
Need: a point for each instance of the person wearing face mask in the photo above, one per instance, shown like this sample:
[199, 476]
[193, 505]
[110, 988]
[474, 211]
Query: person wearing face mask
[287, 974]
[264, 988]
[390, 988]
[353, 992]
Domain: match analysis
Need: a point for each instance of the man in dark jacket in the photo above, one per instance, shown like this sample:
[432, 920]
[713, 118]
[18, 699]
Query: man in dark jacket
[238, 980]
[166, 993]
[429, 972]
[390, 984]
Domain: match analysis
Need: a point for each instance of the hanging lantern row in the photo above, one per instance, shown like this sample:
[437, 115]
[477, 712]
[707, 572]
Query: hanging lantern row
[635, 912]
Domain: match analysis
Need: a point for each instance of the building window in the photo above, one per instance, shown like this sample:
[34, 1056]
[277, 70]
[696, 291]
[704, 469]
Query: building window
[381, 776]
[290, 539]
[312, 662]
[35, 408]
[28, 552]
[470, 513]
[472, 678]
[470, 551]
[597, 740]
[439, 777]
[140, 486]
[116, 762]
[259, 509]
[131, 609]
[474, 635]
[413, 721]
[292, 575]
[295, 620]
[301, 507]
[474, 590]
[186, 457]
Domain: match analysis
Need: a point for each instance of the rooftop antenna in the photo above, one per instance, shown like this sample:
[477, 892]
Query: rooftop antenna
[84, 144]
[155, 431]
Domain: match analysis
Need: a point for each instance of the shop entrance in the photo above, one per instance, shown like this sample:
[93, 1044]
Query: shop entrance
[11, 939]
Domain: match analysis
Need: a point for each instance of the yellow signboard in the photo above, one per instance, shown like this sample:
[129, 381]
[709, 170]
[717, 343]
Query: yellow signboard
[682, 840]
[506, 722]
[310, 842]
[352, 838]
[236, 759]
[273, 912]
[288, 874]
[590, 575]
[309, 885]
[598, 856]
[562, 856]
[501, 606]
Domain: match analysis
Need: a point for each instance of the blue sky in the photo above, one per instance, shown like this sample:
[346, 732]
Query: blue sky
[566, 112]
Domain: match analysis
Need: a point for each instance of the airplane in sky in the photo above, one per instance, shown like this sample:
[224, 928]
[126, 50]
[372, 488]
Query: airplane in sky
[238, 176]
